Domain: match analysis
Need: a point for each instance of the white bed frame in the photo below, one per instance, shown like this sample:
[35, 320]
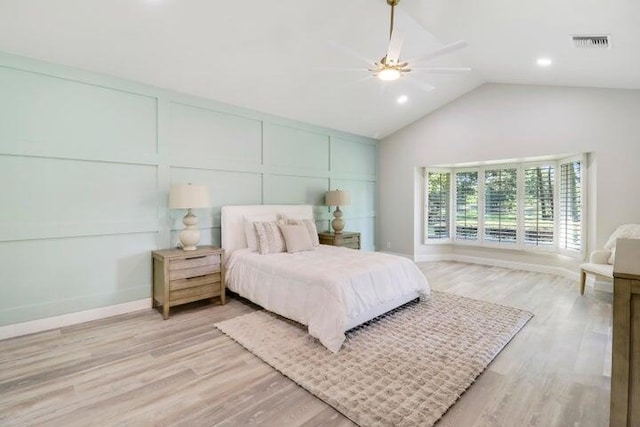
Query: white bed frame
[233, 238]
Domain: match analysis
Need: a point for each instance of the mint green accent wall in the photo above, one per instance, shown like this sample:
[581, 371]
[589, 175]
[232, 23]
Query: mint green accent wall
[86, 163]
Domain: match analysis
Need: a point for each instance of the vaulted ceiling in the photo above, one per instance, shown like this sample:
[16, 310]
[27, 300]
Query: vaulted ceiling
[307, 60]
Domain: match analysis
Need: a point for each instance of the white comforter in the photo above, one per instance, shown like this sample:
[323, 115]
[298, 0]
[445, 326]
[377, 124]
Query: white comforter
[323, 288]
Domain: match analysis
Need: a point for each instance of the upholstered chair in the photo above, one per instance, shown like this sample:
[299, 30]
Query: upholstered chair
[601, 261]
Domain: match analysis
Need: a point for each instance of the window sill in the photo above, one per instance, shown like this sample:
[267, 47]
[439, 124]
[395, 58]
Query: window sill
[507, 248]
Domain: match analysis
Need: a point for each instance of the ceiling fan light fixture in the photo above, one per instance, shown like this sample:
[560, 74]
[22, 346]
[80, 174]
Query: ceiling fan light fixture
[389, 74]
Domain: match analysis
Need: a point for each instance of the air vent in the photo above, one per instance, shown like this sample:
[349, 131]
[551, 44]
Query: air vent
[590, 42]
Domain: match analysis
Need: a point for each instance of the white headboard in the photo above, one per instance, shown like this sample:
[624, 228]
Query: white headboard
[232, 221]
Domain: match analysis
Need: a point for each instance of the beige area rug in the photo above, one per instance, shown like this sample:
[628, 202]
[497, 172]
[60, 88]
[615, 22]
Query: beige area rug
[405, 368]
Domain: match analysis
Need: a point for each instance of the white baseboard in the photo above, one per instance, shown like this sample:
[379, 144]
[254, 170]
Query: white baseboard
[537, 268]
[25, 328]
[398, 254]
[434, 258]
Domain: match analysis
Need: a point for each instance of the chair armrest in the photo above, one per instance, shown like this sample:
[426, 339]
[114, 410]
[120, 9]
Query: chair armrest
[600, 257]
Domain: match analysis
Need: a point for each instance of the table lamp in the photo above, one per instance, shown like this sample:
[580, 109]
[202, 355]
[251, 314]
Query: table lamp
[337, 198]
[188, 196]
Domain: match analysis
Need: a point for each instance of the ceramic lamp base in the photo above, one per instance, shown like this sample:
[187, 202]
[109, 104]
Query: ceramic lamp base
[338, 223]
[190, 236]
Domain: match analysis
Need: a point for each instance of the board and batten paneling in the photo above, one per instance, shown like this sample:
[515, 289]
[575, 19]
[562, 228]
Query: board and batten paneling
[87, 161]
[354, 158]
[297, 150]
[290, 190]
[48, 277]
[354, 167]
[51, 197]
[42, 115]
[200, 137]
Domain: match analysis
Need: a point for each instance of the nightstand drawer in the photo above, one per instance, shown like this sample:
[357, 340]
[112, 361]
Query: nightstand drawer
[346, 241]
[194, 262]
[192, 282]
[351, 245]
[193, 272]
[194, 294]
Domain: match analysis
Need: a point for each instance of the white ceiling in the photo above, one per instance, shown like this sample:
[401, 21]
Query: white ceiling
[306, 59]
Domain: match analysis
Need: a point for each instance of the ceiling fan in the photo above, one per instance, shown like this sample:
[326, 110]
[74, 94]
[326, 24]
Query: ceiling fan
[390, 67]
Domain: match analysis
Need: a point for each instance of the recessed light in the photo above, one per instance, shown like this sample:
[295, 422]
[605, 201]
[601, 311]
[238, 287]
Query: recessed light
[543, 62]
[402, 99]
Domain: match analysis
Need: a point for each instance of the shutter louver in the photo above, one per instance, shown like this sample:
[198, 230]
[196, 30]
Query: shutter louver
[570, 221]
[501, 205]
[467, 205]
[438, 202]
[538, 205]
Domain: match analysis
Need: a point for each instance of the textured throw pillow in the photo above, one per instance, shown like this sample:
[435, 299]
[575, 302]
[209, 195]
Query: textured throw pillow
[250, 231]
[296, 238]
[270, 238]
[310, 225]
[625, 231]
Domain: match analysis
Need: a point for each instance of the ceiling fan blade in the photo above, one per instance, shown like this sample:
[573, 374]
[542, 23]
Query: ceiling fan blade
[444, 50]
[443, 70]
[395, 46]
[361, 69]
[420, 84]
[351, 52]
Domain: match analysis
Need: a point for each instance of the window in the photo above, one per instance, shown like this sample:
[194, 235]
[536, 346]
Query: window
[532, 205]
[501, 205]
[570, 226]
[539, 204]
[466, 205]
[438, 202]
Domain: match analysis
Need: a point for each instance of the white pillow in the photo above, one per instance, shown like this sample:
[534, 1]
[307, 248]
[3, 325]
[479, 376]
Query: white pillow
[296, 238]
[250, 231]
[310, 225]
[270, 238]
[625, 231]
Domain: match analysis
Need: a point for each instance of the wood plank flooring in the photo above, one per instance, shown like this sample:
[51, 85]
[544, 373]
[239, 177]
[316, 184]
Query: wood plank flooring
[140, 370]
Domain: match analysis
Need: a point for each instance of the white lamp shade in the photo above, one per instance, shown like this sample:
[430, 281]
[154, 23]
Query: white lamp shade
[188, 196]
[337, 198]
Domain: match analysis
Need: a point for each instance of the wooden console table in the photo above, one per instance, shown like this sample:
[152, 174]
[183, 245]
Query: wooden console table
[625, 363]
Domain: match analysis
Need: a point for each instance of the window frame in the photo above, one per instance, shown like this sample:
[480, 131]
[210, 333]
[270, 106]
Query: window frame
[582, 158]
[553, 248]
[454, 207]
[492, 243]
[520, 167]
[425, 221]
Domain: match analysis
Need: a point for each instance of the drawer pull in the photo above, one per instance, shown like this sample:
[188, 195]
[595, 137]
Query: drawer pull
[196, 257]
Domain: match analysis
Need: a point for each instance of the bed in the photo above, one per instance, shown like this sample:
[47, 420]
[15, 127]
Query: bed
[328, 289]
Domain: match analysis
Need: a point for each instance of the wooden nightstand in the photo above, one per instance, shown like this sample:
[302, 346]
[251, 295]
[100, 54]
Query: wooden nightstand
[346, 239]
[181, 276]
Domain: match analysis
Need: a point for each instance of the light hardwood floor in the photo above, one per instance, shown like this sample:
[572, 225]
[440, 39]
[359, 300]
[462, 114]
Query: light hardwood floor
[140, 370]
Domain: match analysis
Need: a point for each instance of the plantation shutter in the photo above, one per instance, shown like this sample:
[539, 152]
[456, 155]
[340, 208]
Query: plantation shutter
[570, 221]
[501, 205]
[438, 205]
[539, 182]
[466, 219]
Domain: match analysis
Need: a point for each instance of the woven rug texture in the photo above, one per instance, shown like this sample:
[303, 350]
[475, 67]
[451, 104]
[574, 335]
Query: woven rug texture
[404, 368]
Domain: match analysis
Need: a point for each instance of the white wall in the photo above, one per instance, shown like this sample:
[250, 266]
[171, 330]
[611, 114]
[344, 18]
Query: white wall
[508, 122]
